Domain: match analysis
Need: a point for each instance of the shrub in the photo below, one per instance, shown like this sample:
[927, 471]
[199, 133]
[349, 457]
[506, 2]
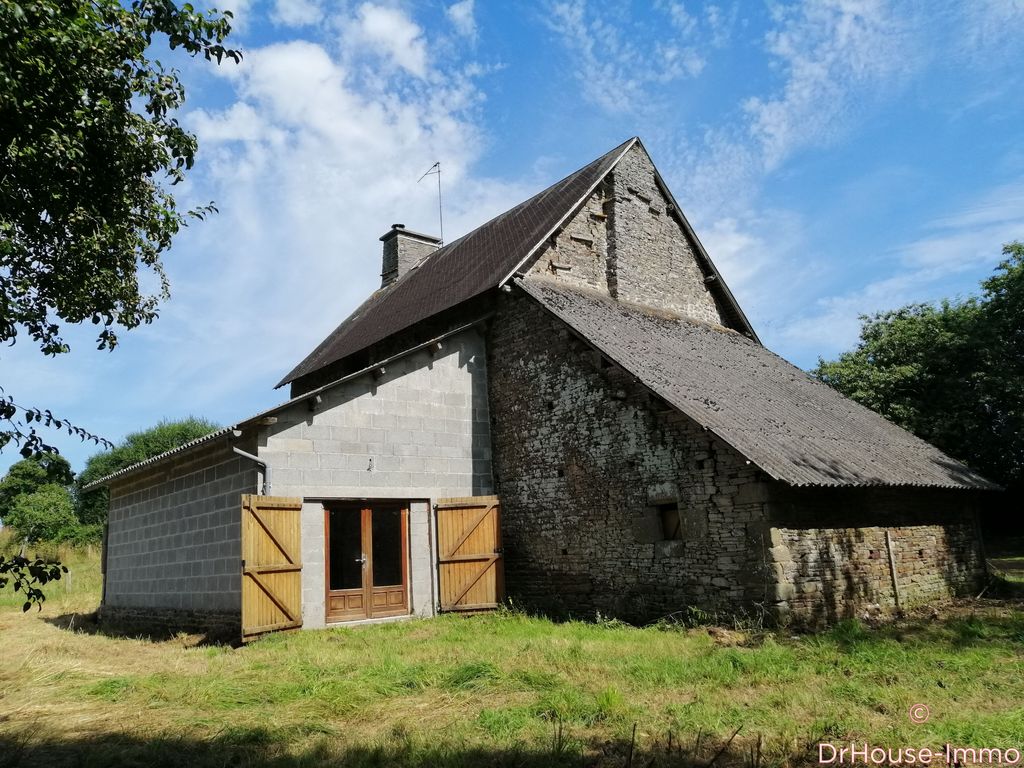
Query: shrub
[47, 514]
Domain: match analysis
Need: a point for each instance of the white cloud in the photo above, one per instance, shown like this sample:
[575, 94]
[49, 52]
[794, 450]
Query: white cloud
[834, 323]
[389, 33]
[309, 162]
[679, 17]
[461, 16]
[837, 59]
[720, 23]
[296, 13]
[616, 65]
[971, 236]
[732, 250]
[309, 166]
[831, 54]
[241, 11]
[989, 24]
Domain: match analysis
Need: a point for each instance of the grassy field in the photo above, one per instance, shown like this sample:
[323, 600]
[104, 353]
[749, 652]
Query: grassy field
[502, 689]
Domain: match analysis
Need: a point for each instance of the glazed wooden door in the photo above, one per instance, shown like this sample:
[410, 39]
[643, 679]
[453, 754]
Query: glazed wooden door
[469, 553]
[367, 560]
[271, 565]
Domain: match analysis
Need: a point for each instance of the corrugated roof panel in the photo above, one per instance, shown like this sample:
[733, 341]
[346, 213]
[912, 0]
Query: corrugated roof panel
[795, 428]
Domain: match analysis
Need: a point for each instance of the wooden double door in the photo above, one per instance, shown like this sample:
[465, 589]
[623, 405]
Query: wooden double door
[367, 558]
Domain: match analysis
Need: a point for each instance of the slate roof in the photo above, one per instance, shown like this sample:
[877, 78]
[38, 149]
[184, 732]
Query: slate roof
[475, 263]
[793, 427]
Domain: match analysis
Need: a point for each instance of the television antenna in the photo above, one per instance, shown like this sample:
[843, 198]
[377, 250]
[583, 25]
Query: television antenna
[435, 169]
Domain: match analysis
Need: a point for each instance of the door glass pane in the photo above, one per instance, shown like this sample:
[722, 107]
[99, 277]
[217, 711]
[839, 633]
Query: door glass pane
[387, 546]
[346, 548]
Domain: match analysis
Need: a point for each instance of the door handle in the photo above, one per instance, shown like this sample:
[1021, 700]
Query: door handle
[361, 559]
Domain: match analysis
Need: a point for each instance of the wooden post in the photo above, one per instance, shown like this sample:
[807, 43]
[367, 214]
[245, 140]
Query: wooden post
[892, 570]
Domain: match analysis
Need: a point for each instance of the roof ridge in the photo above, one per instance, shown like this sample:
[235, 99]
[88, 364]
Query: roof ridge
[475, 263]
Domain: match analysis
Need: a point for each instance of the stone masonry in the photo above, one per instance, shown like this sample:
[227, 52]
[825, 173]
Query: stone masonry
[830, 555]
[613, 501]
[403, 249]
[584, 460]
[625, 243]
[173, 547]
[418, 432]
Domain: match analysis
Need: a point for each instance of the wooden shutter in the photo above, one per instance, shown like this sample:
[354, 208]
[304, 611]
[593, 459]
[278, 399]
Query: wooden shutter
[271, 565]
[469, 553]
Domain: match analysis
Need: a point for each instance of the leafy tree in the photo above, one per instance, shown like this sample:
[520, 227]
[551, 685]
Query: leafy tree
[89, 148]
[136, 447]
[29, 475]
[950, 373]
[46, 514]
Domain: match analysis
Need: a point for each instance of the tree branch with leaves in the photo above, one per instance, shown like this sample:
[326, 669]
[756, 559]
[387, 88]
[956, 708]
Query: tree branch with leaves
[90, 149]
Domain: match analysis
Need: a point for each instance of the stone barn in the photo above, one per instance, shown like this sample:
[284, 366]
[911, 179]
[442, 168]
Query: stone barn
[566, 408]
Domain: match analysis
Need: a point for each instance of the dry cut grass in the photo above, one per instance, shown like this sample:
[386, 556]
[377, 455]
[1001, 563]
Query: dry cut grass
[503, 689]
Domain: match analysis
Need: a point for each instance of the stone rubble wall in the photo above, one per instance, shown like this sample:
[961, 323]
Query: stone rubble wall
[830, 556]
[578, 254]
[625, 243]
[654, 262]
[582, 456]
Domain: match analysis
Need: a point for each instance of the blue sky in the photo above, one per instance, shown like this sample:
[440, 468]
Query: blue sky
[836, 158]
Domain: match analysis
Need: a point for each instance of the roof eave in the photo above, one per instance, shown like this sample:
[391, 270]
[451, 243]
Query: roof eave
[982, 483]
[570, 212]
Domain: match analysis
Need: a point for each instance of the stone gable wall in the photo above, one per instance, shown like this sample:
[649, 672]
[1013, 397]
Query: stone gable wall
[578, 254]
[654, 262]
[582, 457]
[625, 243]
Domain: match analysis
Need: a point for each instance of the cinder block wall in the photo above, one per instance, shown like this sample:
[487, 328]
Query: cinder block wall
[831, 558]
[581, 458]
[419, 432]
[173, 542]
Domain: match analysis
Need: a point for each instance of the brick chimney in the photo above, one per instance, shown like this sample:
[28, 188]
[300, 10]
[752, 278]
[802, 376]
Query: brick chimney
[403, 249]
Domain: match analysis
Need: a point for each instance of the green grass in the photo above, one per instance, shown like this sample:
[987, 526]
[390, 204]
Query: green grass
[82, 583]
[498, 689]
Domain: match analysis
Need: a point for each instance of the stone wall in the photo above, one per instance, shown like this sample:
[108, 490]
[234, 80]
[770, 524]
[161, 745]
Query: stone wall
[626, 243]
[578, 254]
[831, 559]
[174, 539]
[402, 251]
[583, 458]
[585, 461]
[654, 261]
[416, 433]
